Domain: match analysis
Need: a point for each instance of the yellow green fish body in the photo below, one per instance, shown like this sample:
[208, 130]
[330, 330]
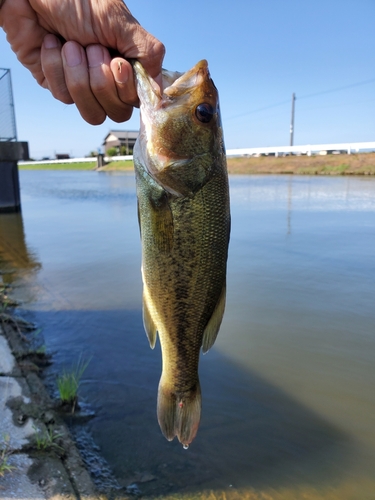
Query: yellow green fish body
[183, 206]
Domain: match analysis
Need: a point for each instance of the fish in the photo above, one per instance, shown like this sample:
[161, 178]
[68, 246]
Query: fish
[184, 218]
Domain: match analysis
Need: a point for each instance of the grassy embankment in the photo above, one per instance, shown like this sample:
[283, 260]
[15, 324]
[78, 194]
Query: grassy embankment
[116, 165]
[354, 164]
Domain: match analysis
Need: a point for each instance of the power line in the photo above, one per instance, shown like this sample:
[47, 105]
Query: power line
[257, 110]
[340, 105]
[337, 89]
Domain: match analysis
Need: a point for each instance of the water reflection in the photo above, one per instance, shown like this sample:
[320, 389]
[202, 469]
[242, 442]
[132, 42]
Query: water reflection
[251, 435]
[288, 398]
[290, 197]
[15, 256]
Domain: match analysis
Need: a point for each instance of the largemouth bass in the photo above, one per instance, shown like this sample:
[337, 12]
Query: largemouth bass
[184, 217]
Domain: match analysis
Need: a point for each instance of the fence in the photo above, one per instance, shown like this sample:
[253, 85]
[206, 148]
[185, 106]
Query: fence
[7, 118]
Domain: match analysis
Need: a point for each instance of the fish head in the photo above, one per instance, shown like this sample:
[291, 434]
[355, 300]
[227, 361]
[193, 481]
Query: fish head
[181, 133]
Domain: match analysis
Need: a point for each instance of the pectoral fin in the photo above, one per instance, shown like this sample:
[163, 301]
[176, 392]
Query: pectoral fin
[162, 223]
[212, 328]
[148, 323]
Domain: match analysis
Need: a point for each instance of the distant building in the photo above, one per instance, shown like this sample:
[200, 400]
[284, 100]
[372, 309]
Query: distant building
[62, 156]
[121, 140]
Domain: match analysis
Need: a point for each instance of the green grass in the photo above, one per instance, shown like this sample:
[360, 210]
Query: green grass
[5, 453]
[59, 166]
[46, 440]
[119, 165]
[113, 165]
[336, 169]
[4, 465]
[69, 381]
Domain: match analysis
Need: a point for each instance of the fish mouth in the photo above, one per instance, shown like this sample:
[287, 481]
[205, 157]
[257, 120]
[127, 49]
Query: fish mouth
[188, 81]
[174, 83]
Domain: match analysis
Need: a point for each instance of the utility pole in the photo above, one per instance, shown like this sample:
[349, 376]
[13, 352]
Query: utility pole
[292, 120]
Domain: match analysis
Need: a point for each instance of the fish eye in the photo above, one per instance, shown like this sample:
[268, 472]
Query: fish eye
[204, 112]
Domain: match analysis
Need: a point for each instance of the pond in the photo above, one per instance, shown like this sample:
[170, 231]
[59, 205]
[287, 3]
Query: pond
[288, 388]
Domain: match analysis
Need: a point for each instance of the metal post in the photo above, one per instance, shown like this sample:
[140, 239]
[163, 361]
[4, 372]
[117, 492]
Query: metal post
[12, 106]
[10, 149]
[292, 120]
[10, 153]
[8, 107]
[100, 161]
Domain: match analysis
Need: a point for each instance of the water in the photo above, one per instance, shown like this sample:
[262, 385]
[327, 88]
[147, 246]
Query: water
[288, 389]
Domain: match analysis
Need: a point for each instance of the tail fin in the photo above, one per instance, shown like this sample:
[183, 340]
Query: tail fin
[179, 415]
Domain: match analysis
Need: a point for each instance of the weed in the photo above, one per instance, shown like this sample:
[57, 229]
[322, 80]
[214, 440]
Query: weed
[68, 383]
[17, 323]
[5, 453]
[41, 350]
[336, 169]
[36, 334]
[3, 305]
[46, 439]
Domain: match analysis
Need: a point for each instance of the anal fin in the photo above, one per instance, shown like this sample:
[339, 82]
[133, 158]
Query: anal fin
[213, 325]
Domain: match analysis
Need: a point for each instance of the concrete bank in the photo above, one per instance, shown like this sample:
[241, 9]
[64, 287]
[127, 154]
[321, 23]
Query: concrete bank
[38, 458]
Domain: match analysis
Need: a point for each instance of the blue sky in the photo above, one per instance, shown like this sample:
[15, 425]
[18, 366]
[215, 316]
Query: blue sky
[259, 53]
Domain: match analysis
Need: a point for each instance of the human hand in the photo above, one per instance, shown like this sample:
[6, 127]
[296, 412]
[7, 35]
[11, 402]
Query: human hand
[81, 70]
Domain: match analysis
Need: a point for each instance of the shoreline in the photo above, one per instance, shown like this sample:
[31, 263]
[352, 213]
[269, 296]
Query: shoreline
[38, 455]
[341, 164]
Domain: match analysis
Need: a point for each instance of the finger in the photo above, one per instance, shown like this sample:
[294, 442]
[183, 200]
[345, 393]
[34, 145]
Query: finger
[53, 69]
[78, 83]
[124, 78]
[103, 85]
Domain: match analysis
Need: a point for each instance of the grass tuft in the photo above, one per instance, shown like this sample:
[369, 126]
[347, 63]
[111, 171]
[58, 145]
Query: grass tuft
[5, 453]
[46, 440]
[69, 381]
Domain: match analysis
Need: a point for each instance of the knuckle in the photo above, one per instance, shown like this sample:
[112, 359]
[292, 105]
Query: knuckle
[61, 94]
[96, 118]
[159, 50]
[124, 116]
[98, 86]
[77, 86]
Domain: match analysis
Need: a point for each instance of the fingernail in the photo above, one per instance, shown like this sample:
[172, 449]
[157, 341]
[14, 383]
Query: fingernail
[95, 55]
[50, 42]
[121, 75]
[72, 54]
